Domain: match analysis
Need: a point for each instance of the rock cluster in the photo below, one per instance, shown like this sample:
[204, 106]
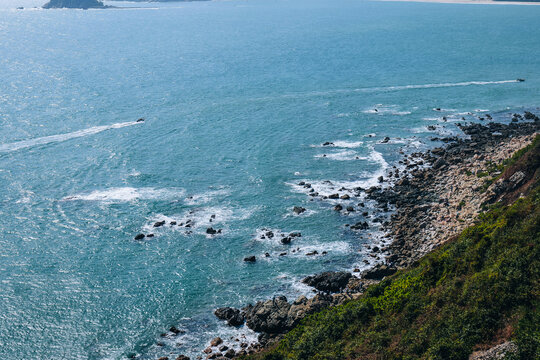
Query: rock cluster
[435, 204]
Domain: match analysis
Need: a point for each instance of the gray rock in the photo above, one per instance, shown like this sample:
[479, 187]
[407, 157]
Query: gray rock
[233, 316]
[328, 281]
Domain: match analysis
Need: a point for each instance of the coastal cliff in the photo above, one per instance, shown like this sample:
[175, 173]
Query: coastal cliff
[74, 4]
[475, 296]
[460, 276]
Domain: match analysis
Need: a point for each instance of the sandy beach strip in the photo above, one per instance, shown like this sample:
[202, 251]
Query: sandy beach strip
[469, 2]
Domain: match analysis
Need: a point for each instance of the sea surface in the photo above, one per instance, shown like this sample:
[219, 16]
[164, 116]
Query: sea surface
[238, 97]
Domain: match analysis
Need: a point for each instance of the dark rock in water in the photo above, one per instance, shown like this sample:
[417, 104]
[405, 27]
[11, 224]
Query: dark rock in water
[159, 223]
[250, 258]
[314, 252]
[182, 357]
[378, 272]
[295, 234]
[74, 4]
[233, 316]
[286, 240]
[328, 281]
[360, 226]
[140, 120]
[230, 354]
[211, 231]
[216, 341]
[172, 223]
[175, 330]
[333, 196]
[298, 210]
[345, 197]
[530, 116]
[139, 236]
[350, 209]
[328, 143]
[150, 235]
[338, 207]
[267, 254]
[380, 179]
[269, 234]
[431, 128]
[386, 139]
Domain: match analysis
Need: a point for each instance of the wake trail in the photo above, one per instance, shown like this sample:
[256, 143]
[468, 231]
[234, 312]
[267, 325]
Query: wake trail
[62, 137]
[384, 89]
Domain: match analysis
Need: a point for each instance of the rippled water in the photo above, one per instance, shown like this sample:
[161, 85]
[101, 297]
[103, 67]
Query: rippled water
[239, 97]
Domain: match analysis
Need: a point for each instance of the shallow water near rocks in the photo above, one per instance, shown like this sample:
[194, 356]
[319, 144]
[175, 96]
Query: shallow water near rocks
[238, 97]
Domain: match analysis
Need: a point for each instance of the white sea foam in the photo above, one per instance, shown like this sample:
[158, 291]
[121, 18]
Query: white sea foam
[328, 187]
[125, 194]
[344, 155]
[62, 137]
[342, 144]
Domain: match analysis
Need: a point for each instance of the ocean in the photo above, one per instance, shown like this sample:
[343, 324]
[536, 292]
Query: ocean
[238, 99]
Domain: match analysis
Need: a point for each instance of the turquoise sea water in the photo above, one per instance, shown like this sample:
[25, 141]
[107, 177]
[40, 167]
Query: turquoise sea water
[238, 97]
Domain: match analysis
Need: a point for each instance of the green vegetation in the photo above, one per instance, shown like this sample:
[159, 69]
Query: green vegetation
[471, 293]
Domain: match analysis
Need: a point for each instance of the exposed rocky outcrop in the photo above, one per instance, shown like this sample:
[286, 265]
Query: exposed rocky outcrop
[74, 4]
[434, 204]
[329, 282]
[498, 352]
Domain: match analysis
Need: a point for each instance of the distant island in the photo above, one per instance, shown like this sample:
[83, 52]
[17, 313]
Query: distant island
[74, 4]
[92, 4]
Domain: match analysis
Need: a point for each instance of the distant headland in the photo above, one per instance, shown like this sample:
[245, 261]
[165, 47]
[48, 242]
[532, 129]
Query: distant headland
[74, 4]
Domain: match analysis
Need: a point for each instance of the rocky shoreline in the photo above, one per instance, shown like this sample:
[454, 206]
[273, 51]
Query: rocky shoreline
[436, 195]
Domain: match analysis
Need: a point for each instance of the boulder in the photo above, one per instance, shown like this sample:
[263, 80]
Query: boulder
[268, 316]
[329, 282]
[286, 240]
[139, 236]
[251, 258]
[159, 223]
[233, 316]
[216, 341]
[378, 272]
[298, 210]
